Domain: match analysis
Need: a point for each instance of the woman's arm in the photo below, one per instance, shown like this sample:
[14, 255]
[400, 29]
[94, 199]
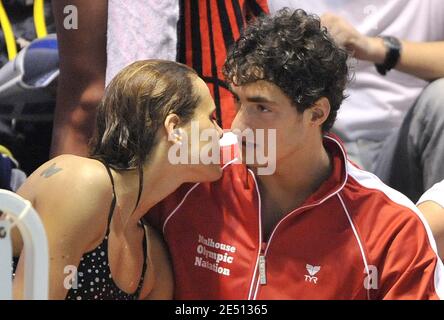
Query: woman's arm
[73, 211]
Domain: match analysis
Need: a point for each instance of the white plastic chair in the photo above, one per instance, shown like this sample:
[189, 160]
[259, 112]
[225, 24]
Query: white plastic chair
[35, 248]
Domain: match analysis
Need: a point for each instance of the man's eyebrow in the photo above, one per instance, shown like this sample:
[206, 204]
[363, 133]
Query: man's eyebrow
[259, 99]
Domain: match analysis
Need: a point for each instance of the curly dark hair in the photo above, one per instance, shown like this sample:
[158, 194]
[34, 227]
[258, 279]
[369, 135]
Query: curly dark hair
[293, 51]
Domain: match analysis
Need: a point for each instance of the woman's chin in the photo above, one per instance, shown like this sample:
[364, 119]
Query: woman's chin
[209, 174]
[217, 173]
[214, 173]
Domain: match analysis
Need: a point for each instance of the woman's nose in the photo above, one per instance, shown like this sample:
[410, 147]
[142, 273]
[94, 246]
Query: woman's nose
[220, 131]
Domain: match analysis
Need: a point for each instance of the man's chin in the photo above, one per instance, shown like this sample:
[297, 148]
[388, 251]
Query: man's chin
[262, 169]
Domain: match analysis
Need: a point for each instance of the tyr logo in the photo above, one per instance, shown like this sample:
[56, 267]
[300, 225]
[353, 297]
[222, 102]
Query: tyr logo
[312, 270]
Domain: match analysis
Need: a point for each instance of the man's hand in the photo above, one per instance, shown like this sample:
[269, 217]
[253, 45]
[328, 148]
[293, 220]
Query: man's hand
[346, 36]
[420, 59]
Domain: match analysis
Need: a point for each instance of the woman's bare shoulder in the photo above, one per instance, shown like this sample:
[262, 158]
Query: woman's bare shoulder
[69, 183]
[67, 173]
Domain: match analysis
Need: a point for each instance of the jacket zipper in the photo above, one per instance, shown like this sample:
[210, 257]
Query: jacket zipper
[260, 272]
[262, 265]
[259, 261]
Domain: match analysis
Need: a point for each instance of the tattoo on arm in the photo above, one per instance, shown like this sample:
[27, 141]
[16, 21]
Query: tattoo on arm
[52, 170]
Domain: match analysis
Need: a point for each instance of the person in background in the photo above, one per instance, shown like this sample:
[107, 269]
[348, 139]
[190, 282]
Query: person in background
[81, 84]
[431, 205]
[11, 177]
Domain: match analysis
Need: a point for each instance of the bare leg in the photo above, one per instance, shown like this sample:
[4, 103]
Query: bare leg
[82, 75]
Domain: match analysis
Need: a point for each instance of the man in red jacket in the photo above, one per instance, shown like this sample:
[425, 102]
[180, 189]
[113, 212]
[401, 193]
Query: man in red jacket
[317, 227]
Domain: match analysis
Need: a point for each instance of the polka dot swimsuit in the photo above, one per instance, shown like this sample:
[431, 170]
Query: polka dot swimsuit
[94, 279]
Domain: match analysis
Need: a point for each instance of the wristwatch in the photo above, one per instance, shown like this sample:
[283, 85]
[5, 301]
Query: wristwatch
[394, 48]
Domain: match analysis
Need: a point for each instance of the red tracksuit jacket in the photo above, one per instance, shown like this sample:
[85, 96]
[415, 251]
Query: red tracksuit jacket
[355, 238]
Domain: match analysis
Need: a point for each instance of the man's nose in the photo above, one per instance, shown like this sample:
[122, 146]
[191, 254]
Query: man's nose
[239, 122]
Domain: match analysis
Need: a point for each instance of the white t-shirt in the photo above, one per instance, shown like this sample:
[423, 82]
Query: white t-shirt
[139, 30]
[377, 104]
[435, 194]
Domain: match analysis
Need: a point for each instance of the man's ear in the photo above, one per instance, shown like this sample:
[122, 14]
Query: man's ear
[319, 112]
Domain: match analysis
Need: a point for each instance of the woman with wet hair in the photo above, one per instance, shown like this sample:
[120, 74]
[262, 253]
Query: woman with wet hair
[92, 207]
